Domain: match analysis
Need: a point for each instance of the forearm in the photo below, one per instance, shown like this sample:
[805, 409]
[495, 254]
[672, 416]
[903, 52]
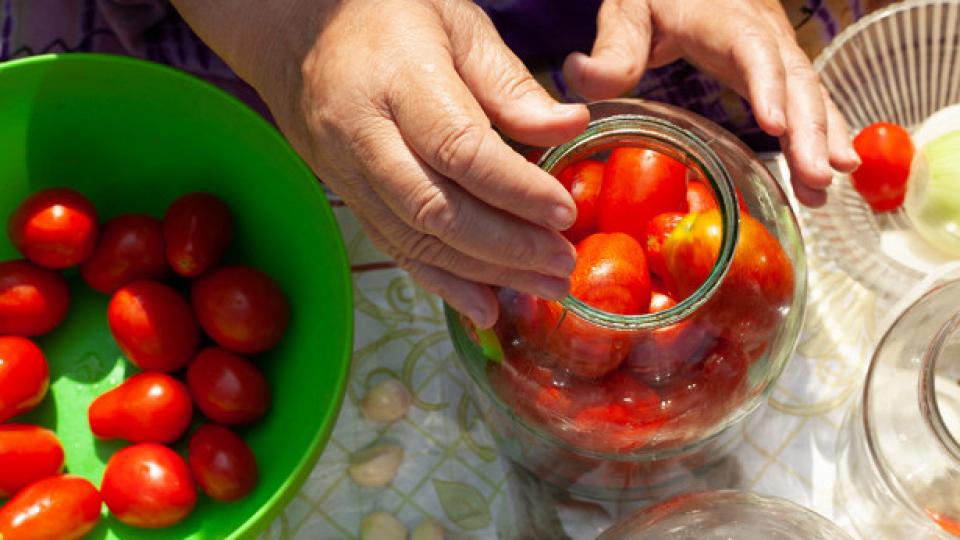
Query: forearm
[255, 38]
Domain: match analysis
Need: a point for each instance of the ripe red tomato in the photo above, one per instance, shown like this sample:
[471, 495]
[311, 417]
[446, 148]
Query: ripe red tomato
[611, 274]
[658, 230]
[626, 420]
[197, 229]
[148, 485]
[227, 388]
[148, 407]
[222, 463]
[153, 325]
[707, 390]
[62, 507]
[24, 376]
[55, 228]
[583, 180]
[130, 249]
[33, 300]
[638, 184]
[700, 197]
[660, 301]
[748, 306]
[241, 308]
[885, 151]
[27, 454]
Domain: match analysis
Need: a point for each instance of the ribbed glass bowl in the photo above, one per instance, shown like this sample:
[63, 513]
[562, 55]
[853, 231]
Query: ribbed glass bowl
[901, 65]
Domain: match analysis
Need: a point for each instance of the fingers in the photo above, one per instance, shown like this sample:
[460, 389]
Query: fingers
[474, 300]
[513, 100]
[758, 63]
[842, 155]
[445, 126]
[421, 200]
[619, 55]
[805, 141]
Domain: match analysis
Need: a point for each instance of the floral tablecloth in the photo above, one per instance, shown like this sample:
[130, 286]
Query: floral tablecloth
[452, 471]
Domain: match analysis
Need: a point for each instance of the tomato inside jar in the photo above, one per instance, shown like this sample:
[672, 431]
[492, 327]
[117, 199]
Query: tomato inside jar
[685, 304]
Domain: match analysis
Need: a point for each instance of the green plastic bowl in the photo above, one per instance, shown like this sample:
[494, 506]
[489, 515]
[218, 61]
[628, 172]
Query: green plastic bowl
[133, 136]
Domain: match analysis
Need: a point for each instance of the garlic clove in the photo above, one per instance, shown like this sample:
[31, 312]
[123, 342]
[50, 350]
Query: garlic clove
[428, 529]
[382, 526]
[375, 466]
[388, 401]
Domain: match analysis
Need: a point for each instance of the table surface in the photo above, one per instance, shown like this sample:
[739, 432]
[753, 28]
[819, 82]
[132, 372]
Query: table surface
[452, 471]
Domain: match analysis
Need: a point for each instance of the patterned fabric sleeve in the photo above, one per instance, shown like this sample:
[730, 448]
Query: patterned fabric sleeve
[541, 32]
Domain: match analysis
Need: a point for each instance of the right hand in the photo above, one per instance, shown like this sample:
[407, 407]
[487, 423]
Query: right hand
[391, 103]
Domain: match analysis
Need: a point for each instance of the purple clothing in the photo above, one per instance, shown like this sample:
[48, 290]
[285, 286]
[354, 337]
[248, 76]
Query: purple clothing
[541, 32]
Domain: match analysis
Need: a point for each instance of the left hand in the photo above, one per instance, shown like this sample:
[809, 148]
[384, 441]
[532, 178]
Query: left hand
[748, 45]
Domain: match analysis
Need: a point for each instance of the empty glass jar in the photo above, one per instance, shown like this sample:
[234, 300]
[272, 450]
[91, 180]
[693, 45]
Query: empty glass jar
[899, 459]
[725, 515]
[616, 405]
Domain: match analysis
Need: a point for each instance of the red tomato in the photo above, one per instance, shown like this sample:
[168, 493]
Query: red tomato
[153, 325]
[148, 485]
[24, 376]
[241, 308]
[583, 179]
[148, 407]
[33, 300]
[638, 184]
[27, 454]
[626, 420]
[611, 274]
[55, 228]
[658, 230]
[227, 388]
[222, 463]
[62, 507]
[197, 229]
[706, 391]
[660, 301]
[885, 151]
[747, 308]
[700, 197]
[130, 249]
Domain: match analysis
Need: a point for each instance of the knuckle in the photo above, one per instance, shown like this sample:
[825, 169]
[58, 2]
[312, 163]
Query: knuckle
[457, 147]
[437, 215]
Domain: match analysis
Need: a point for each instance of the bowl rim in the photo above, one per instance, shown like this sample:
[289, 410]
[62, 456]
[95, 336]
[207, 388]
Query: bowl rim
[290, 486]
[860, 25]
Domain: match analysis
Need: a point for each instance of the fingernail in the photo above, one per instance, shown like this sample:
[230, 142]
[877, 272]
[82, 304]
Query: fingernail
[551, 288]
[561, 265]
[566, 109]
[562, 217]
[777, 118]
[853, 156]
[480, 317]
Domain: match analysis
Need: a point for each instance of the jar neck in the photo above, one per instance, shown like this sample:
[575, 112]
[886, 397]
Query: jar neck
[657, 134]
[929, 406]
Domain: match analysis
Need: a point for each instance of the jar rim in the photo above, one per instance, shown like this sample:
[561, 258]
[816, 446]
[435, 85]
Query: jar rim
[685, 146]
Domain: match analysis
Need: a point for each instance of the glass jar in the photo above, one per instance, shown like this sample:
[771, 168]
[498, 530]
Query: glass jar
[899, 459]
[621, 406]
[723, 515]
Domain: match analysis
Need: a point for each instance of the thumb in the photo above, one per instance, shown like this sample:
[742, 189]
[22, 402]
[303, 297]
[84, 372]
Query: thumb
[619, 55]
[509, 95]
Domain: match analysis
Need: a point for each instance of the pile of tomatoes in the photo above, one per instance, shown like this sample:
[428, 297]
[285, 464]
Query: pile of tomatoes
[131, 257]
[648, 234]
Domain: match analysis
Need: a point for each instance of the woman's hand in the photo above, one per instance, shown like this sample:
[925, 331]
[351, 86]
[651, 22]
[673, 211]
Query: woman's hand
[748, 45]
[391, 103]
